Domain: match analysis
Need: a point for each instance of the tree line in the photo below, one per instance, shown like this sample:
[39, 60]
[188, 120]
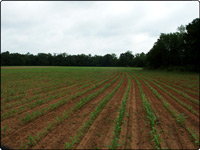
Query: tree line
[42, 59]
[179, 51]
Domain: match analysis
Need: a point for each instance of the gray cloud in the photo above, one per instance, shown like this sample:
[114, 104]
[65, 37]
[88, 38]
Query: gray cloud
[92, 27]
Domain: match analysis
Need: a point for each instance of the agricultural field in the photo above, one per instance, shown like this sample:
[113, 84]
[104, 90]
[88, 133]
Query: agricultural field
[98, 108]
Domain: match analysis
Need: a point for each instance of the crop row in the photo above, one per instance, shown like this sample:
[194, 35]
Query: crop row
[39, 85]
[52, 91]
[182, 82]
[151, 117]
[178, 116]
[66, 114]
[175, 90]
[179, 92]
[29, 117]
[190, 108]
[40, 101]
[120, 118]
[39, 98]
[55, 95]
[182, 88]
[41, 90]
[76, 138]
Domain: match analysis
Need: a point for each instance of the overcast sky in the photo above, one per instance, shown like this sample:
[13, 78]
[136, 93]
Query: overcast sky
[90, 27]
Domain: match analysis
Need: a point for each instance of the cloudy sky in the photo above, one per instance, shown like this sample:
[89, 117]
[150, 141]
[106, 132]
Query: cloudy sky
[90, 27]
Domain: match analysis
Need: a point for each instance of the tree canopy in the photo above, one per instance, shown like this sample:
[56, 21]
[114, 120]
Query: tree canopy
[179, 49]
[62, 59]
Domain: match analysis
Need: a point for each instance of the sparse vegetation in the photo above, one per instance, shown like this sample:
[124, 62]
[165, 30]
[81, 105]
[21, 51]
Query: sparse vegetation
[73, 107]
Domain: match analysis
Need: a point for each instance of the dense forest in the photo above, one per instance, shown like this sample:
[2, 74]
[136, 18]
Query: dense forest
[172, 51]
[179, 50]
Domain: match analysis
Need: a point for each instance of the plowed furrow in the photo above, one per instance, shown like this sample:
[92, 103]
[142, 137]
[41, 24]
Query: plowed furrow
[56, 138]
[101, 131]
[38, 124]
[166, 123]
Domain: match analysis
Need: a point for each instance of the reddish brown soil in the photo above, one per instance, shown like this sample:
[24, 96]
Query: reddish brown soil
[71, 87]
[140, 129]
[182, 98]
[135, 132]
[191, 120]
[29, 92]
[180, 84]
[170, 132]
[174, 103]
[57, 138]
[42, 95]
[185, 91]
[53, 92]
[22, 132]
[126, 134]
[132, 136]
[100, 133]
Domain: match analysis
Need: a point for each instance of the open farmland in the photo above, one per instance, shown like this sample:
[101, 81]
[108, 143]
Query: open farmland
[91, 107]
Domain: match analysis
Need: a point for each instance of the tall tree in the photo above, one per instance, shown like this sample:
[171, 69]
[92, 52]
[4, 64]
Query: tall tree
[126, 59]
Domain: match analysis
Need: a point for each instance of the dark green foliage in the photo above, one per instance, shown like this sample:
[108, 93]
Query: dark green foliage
[177, 51]
[126, 59]
[42, 59]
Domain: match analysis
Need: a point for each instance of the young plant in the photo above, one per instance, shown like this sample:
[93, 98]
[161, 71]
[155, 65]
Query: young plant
[120, 119]
[193, 136]
[32, 141]
[180, 118]
[151, 117]
[4, 129]
[70, 145]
